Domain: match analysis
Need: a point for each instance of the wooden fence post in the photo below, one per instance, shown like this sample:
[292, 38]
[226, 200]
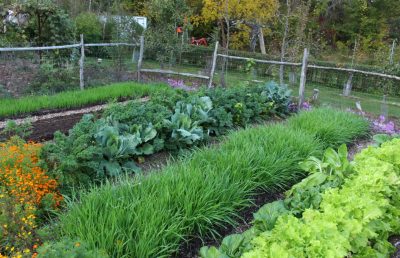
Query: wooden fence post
[133, 51]
[392, 52]
[303, 78]
[139, 66]
[214, 63]
[81, 64]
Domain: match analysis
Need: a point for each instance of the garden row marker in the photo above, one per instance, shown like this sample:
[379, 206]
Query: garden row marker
[303, 77]
[139, 66]
[214, 62]
[81, 63]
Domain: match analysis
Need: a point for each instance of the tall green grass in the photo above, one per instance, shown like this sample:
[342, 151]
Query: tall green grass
[76, 99]
[331, 126]
[151, 216]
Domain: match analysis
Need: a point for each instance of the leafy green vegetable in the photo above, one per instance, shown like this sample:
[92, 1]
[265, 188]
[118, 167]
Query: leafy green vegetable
[265, 218]
[354, 220]
[326, 173]
[379, 139]
[185, 125]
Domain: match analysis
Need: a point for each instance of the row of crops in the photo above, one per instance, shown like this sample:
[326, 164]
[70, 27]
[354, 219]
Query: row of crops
[84, 195]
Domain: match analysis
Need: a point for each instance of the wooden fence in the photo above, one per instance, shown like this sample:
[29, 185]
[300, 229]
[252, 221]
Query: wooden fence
[81, 45]
[209, 77]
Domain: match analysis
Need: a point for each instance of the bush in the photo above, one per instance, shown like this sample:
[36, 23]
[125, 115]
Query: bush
[194, 197]
[89, 25]
[53, 78]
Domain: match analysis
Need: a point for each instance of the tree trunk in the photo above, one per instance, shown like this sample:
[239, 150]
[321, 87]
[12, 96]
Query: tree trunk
[225, 61]
[283, 47]
[262, 43]
[39, 35]
[223, 36]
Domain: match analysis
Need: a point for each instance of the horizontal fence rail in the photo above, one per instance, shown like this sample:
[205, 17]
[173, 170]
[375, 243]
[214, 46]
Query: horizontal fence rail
[312, 66]
[7, 49]
[355, 71]
[175, 73]
[260, 61]
[111, 45]
[66, 47]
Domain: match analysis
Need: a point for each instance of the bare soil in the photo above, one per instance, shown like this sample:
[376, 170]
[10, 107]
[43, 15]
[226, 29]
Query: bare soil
[191, 248]
[395, 241]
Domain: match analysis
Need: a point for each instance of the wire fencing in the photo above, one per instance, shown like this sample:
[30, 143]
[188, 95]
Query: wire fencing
[48, 70]
[52, 69]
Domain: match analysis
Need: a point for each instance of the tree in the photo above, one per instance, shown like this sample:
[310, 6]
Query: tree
[164, 16]
[254, 14]
[48, 25]
[89, 25]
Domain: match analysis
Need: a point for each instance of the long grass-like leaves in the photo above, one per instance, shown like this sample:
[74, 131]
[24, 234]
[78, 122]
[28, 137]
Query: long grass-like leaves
[76, 99]
[331, 126]
[150, 216]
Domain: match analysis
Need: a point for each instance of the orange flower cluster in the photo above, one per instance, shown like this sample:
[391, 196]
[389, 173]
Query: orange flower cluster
[21, 176]
[23, 187]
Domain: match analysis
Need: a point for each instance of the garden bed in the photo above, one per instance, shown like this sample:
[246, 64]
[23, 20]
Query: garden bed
[44, 126]
[245, 162]
[69, 100]
[191, 249]
[197, 197]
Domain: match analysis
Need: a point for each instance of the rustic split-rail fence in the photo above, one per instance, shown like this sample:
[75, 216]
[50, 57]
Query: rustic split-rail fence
[208, 77]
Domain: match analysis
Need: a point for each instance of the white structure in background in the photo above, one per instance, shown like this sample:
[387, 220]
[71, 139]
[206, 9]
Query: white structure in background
[126, 25]
[142, 21]
[14, 18]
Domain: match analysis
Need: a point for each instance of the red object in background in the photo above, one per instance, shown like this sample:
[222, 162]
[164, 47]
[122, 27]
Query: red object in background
[179, 30]
[199, 42]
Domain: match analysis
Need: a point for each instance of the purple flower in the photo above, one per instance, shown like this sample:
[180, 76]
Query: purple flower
[381, 125]
[293, 107]
[306, 105]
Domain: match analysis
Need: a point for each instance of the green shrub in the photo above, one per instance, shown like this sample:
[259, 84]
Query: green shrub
[89, 25]
[331, 126]
[52, 78]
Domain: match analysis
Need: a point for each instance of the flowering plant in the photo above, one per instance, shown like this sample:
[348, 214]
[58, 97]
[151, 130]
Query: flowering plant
[25, 189]
[293, 107]
[383, 126]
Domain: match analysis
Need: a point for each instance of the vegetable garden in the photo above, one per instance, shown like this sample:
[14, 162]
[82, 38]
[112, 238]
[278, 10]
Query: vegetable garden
[226, 151]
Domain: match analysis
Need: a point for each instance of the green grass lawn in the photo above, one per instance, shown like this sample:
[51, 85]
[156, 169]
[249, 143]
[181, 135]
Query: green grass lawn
[76, 99]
